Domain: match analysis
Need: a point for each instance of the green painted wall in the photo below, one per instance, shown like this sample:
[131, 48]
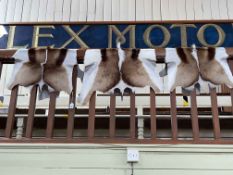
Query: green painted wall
[90, 159]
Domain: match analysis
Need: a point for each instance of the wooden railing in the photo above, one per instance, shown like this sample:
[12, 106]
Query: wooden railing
[134, 130]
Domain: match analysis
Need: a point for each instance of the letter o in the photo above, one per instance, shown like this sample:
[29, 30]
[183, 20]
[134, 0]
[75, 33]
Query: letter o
[146, 36]
[201, 38]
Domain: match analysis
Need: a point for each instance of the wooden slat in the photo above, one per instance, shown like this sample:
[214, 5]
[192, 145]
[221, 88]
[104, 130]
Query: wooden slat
[214, 107]
[99, 14]
[190, 10]
[112, 121]
[42, 10]
[91, 118]
[172, 7]
[50, 10]
[3, 79]
[58, 11]
[34, 10]
[75, 10]
[10, 10]
[206, 6]
[1, 67]
[152, 114]
[102, 141]
[26, 10]
[3, 10]
[140, 15]
[156, 12]
[132, 10]
[124, 6]
[132, 116]
[148, 10]
[83, 10]
[66, 10]
[214, 4]
[51, 114]
[231, 91]
[198, 10]
[31, 112]
[11, 112]
[194, 115]
[223, 9]
[71, 111]
[165, 10]
[18, 10]
[229, 9]
[181, 10]
[230, 63]
[174, 125]
[115, 10]
[107, 10]
[91, 10]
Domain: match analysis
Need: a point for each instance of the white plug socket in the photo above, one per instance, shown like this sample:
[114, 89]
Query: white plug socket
[132, 155]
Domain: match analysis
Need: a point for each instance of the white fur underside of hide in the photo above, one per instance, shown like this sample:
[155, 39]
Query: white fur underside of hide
[92, 59]
[149, 64]
[69, 62]
[121, 55]
[221, 56]
[148, 54]
[172, 56]
[173, 60]
[171, 78]
[21, 56]
[92, 56]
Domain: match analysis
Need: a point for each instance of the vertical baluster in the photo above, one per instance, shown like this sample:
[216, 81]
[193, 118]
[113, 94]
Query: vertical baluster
[91, 118]
[1, 71]
[173, 115]
[194, 115]
[51, 113]
[152, 114]
[214, 107]
[112, 120]
[230, 62]
[31, 112]
[11, 112]
[71, 111]
[132, 116]
[231, 91]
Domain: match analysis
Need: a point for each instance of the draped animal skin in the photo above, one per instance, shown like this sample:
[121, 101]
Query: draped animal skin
[214, 68]
[58, 69]
[101, 72]
[139, 69]
[51, 69]
[182, 68]
[28, 67]
[109, 69]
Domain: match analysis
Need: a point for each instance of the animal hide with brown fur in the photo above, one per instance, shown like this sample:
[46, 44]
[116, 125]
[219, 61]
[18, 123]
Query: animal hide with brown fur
[45, 67]
[101, 72]
[139, 69]
[108, 69]
[182, 68]
[214, 68]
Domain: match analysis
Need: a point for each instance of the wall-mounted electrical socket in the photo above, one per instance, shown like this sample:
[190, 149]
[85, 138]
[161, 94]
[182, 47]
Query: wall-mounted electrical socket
[132, 155]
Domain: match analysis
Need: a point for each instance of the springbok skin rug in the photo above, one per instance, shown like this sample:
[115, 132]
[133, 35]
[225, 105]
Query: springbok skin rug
[182, 68]
[45, 67]
[214, 68]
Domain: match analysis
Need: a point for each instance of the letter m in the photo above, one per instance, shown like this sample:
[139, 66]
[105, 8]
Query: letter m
[121, 35]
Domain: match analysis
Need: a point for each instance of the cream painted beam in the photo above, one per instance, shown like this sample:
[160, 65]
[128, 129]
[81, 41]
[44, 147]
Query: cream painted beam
[113, 10]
